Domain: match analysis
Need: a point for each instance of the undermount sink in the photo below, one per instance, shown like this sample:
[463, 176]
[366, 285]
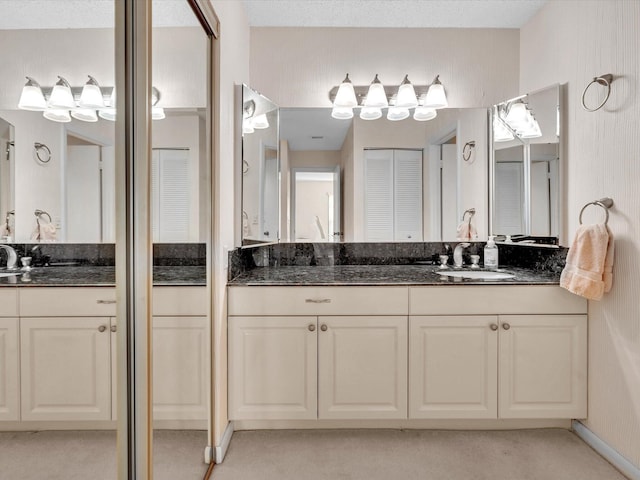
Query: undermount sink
[477, 275]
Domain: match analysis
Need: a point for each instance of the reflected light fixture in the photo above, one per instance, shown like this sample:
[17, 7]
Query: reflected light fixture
[370, 113]
[57, 115]
[85, 114]
[109, 113]
[436, 96]
[91, 96]
[422, 113]
[376, 96]
[260, 122]
[32, 97]
[346, 96]
[61, 96]
[406, 97]
[397, 113]
[342, 113]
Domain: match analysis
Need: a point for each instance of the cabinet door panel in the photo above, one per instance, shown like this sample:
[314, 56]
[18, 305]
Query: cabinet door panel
[543, 366]
[65, 367]
[9, 378]
[272, 368]
[453, 367]
[180, 369]
[362, 367]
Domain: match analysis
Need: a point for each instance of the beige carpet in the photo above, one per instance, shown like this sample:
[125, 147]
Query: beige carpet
[91, 455]
[552, 454]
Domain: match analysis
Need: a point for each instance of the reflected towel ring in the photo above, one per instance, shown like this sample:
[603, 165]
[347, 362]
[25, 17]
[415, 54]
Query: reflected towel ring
[605, 81]
[39, 149]
[467, 150]
[38, 213]
[604, 203]
[471, 212]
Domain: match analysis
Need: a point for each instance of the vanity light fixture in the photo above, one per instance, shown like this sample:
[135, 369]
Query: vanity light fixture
[521, 120]
[61, 96]
[436, 96]
[371, 99]
[32, 97]
[62, 101]
[260, 122]
[346, 96]
[406, 97]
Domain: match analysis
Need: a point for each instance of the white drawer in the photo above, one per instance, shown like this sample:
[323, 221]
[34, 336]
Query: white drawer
[306, 300]
[8, 302]
[179, 301]
[68, 302]
[493, 299]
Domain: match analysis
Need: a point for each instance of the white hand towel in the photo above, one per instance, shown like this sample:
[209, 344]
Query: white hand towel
[589, 267]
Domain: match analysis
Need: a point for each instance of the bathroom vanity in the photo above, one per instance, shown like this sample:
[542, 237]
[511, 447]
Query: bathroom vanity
[402, 343]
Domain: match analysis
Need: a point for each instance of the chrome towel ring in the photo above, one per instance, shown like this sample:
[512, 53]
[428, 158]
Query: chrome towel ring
[467, 150]
[605, 203]
[38, 213]
[605, 81]
[42, 152]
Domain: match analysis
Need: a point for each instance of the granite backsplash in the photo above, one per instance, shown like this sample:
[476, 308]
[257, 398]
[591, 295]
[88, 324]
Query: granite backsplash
[535, 257]
[103, 254]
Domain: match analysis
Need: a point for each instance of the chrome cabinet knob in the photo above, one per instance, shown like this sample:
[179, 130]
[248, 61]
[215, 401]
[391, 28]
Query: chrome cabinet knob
[493, 327]
[323, 328]
[102, 328]
[114, 328]
[506, 326]
[312, 328]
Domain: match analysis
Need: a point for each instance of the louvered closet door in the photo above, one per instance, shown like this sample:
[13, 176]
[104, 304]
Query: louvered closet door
[378, 205]
[171, 193]
[407, 195]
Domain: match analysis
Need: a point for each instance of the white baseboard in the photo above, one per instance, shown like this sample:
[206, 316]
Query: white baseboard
[604, 449]
[221, 450]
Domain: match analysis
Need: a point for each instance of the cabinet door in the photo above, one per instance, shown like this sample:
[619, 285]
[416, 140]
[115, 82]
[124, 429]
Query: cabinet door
[543, 366]
[66, 368]
[9, 387]
[272, 368]
[180, 368]
[362, 371]
[453, 367]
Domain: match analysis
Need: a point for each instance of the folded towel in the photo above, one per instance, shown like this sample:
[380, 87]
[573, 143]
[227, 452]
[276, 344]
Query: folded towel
[466, 231]
[44, 232]
[589, 267]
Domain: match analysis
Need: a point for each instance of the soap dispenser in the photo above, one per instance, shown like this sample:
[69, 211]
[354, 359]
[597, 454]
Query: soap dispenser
[491, 254]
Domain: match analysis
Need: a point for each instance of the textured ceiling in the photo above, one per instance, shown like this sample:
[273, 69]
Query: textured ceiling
[392, 13]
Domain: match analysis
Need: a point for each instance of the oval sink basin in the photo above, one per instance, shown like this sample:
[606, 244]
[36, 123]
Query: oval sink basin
[475, 275]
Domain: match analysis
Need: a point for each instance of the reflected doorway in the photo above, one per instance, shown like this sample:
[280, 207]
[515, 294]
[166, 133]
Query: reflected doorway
[315, 204]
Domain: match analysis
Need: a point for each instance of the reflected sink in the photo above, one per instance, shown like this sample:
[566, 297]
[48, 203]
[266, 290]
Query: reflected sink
[478, 275]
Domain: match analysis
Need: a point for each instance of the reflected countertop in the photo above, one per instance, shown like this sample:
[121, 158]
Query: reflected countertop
[381, 275]
[100, 276]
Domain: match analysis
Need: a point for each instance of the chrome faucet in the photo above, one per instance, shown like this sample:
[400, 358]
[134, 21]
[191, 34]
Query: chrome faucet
[12, 257]
[457, 254]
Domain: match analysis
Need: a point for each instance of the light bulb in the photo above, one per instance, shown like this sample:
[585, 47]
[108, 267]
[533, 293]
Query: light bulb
[31, 97]
[406, 97]
[346, 96]
[91, 96]
[61, 96]
[436, 96]
[376, 96]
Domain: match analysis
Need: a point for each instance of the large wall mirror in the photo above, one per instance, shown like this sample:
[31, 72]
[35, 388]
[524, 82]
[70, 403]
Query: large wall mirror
[526, 165]
[383, 181]
[260, 162]
[64, 167]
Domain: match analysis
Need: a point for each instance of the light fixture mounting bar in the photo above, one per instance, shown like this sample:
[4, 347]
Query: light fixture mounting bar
[77, 92]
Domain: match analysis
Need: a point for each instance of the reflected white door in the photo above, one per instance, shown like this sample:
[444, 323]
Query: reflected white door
[83, 173]
[449, 189]
[316, 204]
[269, 204]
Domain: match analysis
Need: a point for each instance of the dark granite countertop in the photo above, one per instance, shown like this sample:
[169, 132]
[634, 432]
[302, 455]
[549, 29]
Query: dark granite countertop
[92, 276]
[382, 275]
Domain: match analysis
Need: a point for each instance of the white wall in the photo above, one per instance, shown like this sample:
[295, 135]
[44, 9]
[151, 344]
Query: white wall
[296, 67]
[571, 42]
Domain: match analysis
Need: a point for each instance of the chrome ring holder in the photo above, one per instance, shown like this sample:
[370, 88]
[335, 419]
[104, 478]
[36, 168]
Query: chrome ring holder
[40, 148]
[604, 203]
[605, 81]
[467, 150]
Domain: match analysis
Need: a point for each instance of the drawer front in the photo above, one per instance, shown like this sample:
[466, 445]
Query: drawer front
[180, 301]
[493, 300]
[8, 302]
[67, 302]
[303, 300]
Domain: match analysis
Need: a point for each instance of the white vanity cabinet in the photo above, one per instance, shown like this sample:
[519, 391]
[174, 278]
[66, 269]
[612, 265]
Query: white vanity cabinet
[9, 355]
[526, 357]
[66, 353]
[317, 352]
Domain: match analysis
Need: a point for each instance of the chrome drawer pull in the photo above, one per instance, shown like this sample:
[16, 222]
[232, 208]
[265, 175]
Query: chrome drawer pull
[321, 300]
[105, 302]
[506, 326]
[114, 328]
[312, 328]
[494, 327]
[102, 328]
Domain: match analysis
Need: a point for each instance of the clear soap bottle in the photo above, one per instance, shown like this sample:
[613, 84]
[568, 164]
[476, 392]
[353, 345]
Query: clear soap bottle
[491, 254]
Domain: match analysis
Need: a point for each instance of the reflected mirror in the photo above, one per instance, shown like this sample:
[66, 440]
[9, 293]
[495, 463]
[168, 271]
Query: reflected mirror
[526, 165]
[383, 181]
[65, 168]
[260, 168]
